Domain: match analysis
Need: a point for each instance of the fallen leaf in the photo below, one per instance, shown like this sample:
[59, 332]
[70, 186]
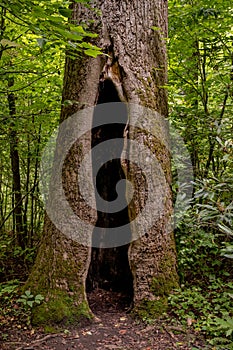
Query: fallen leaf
[190, 321]
[123, 319]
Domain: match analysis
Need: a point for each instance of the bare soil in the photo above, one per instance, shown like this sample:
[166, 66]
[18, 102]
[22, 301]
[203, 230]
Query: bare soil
[113, 329]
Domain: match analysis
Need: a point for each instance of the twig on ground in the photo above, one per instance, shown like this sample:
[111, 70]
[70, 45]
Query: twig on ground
[172, 336]
[39, 341]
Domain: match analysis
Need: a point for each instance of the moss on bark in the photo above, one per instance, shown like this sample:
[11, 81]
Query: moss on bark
[151, 309]
[59, 276]
[61, 267]
[62, 308]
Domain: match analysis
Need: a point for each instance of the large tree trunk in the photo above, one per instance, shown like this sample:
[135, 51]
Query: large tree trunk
[135, 66]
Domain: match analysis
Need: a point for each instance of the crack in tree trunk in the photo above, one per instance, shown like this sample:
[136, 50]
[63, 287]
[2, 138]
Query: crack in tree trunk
[109, 268]
[137, 68]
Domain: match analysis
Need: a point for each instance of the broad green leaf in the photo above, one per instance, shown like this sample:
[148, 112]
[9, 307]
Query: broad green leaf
[92, 52]
[65, 12]
[225, 229]
[28, 293]
[30, 303]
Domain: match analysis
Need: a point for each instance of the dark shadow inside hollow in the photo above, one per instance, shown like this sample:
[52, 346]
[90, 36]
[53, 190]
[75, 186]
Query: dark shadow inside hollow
[109, 268]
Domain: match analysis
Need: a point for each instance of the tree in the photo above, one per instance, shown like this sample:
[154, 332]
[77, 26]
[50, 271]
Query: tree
[200, 103]
[133, 70]
[201, 81]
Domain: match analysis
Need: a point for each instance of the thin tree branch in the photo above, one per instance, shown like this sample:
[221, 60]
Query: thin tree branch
[29, 84]
[27, 194]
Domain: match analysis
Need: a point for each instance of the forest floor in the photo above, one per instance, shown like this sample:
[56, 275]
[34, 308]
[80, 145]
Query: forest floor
[113, 329]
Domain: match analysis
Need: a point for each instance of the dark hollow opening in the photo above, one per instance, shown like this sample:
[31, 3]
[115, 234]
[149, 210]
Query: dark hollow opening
[109, 283]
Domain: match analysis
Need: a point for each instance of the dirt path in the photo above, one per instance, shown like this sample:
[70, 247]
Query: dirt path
[114, 330]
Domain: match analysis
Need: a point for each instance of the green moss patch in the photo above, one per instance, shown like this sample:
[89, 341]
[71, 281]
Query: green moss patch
[163, 286]
[60, 308]
[151, 309]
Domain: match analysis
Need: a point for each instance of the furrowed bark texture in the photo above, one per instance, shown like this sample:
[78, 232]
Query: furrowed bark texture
[136, 64]
[61, 266]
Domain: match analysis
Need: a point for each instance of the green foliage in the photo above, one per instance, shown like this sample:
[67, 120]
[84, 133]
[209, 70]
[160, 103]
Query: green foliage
[28, 299]
[204, 258]
[227, 251]
[204, 236]
[15, 308]
[201, 90]
[34, 37]
[49, 23]
[209, 309]
[8, 295]
[204, 267]
[14, 261]
[226, 324]
[8, 290]
[200, 75]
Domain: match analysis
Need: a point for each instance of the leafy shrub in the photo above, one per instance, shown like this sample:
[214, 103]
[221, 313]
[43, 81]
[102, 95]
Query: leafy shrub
[205, 252]
[210, 309]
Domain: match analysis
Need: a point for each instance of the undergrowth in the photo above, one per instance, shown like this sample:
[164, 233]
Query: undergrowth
[204, 245]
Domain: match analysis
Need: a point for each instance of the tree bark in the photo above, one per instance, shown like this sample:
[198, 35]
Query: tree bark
[21, 234]
[136, 65]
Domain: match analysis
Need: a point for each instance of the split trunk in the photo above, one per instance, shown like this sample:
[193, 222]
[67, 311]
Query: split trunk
[133, 71]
